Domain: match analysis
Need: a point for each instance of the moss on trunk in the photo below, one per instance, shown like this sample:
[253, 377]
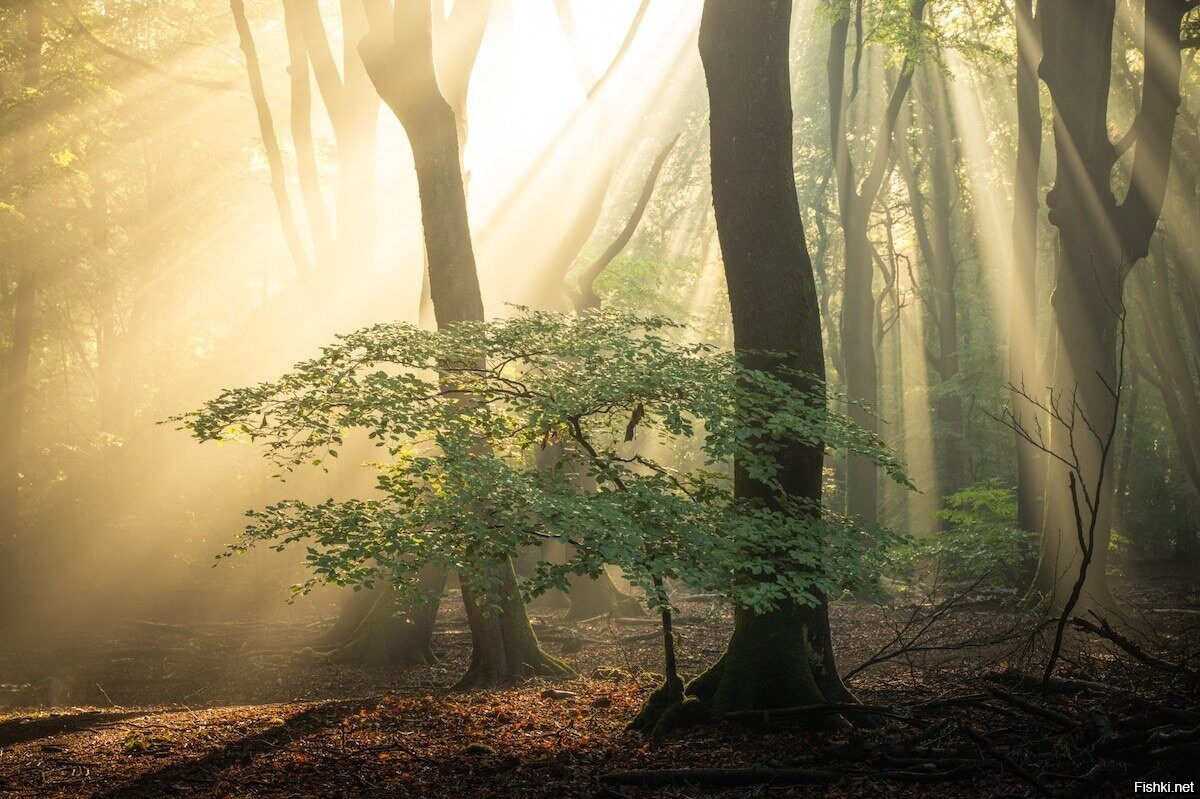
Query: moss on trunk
[376, 630]
[770, 663]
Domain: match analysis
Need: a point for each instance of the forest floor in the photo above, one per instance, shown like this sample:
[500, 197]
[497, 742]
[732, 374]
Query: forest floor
[152, 709]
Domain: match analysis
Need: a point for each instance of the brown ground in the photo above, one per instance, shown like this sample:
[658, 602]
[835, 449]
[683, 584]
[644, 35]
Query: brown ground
[146, 709]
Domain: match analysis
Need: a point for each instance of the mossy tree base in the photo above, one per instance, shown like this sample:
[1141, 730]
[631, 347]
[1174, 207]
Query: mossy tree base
[669, 711]
[504, 646]
[386, 634]
[780, 659]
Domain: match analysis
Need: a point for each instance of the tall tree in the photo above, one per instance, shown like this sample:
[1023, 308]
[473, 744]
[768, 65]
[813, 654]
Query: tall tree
[14, 394]
[1022, 325]
[398, 54]
[784, 657]
[353, 109]
[1100, 242]
[1169, 303]
[932, 204]
[856, 198]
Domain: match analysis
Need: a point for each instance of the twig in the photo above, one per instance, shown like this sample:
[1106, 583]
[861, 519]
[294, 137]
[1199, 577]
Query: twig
[1029, 707]
[1105, 630]
[1012, 765]
[846, 708]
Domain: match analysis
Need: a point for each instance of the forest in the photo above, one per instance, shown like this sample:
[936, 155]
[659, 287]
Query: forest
[599, 398]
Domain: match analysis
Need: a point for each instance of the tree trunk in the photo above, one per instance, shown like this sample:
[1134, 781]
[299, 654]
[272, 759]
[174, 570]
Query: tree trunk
[15, 393]
[504, 646]
[935, 241]
[373, 630]
[398, 54]
[1022, 350]
[266, 124]
[1100, 241]
[783, 657]
[855, 199]
[943, 155]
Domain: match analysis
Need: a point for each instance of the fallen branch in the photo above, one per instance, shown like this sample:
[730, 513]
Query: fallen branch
[1012, 678]
[1105, 630]
[1053, 716]
[1009, 763]
[840, 708]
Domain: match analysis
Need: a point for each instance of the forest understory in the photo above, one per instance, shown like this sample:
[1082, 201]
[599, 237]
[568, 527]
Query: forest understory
[948, 681]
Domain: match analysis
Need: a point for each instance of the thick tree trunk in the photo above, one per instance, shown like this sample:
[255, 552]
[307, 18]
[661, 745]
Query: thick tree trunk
[398, 54]
[782, 657]
[504, 646]
[1100, 241]
[786, 653]
[373, 630]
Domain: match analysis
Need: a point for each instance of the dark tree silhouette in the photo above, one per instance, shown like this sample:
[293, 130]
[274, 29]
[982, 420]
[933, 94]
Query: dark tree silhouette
[782, 658]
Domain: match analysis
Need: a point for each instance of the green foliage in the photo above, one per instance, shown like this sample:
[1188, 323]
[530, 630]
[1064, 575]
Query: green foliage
[982, 542]
[462, 414]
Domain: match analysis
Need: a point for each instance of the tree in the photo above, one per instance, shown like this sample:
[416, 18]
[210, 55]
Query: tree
[856, 197]
[464, 414]
[13, 398]
[398, 54]
[1022, 325]
[1100, 242]
[935, 148]
[783, 657]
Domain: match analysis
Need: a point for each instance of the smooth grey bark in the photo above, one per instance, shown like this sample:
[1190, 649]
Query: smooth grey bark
[398, 54]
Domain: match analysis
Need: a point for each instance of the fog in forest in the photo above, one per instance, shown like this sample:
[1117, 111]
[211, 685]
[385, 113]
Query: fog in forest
[998, 212]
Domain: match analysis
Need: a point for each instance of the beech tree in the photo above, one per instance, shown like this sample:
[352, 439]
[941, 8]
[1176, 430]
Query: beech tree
[782, 657]
[1101, 240]
[398, 54]
[856, 195]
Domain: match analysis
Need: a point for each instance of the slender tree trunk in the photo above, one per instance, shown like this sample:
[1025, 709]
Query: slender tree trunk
[398, 54]
[15, 392]
[943, 156]
[783, 657]
[856, 197]
[935, 241]
[357, 215]
[266, 124]
[302, 140]
[1023, 373]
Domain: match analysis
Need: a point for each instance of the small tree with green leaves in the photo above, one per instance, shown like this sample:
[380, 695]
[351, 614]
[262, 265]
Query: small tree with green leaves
[461, 414]
[982, 543]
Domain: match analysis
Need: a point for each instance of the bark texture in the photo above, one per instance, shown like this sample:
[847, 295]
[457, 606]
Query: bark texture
[1100, 241]
[398, 54]
[783, 657]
